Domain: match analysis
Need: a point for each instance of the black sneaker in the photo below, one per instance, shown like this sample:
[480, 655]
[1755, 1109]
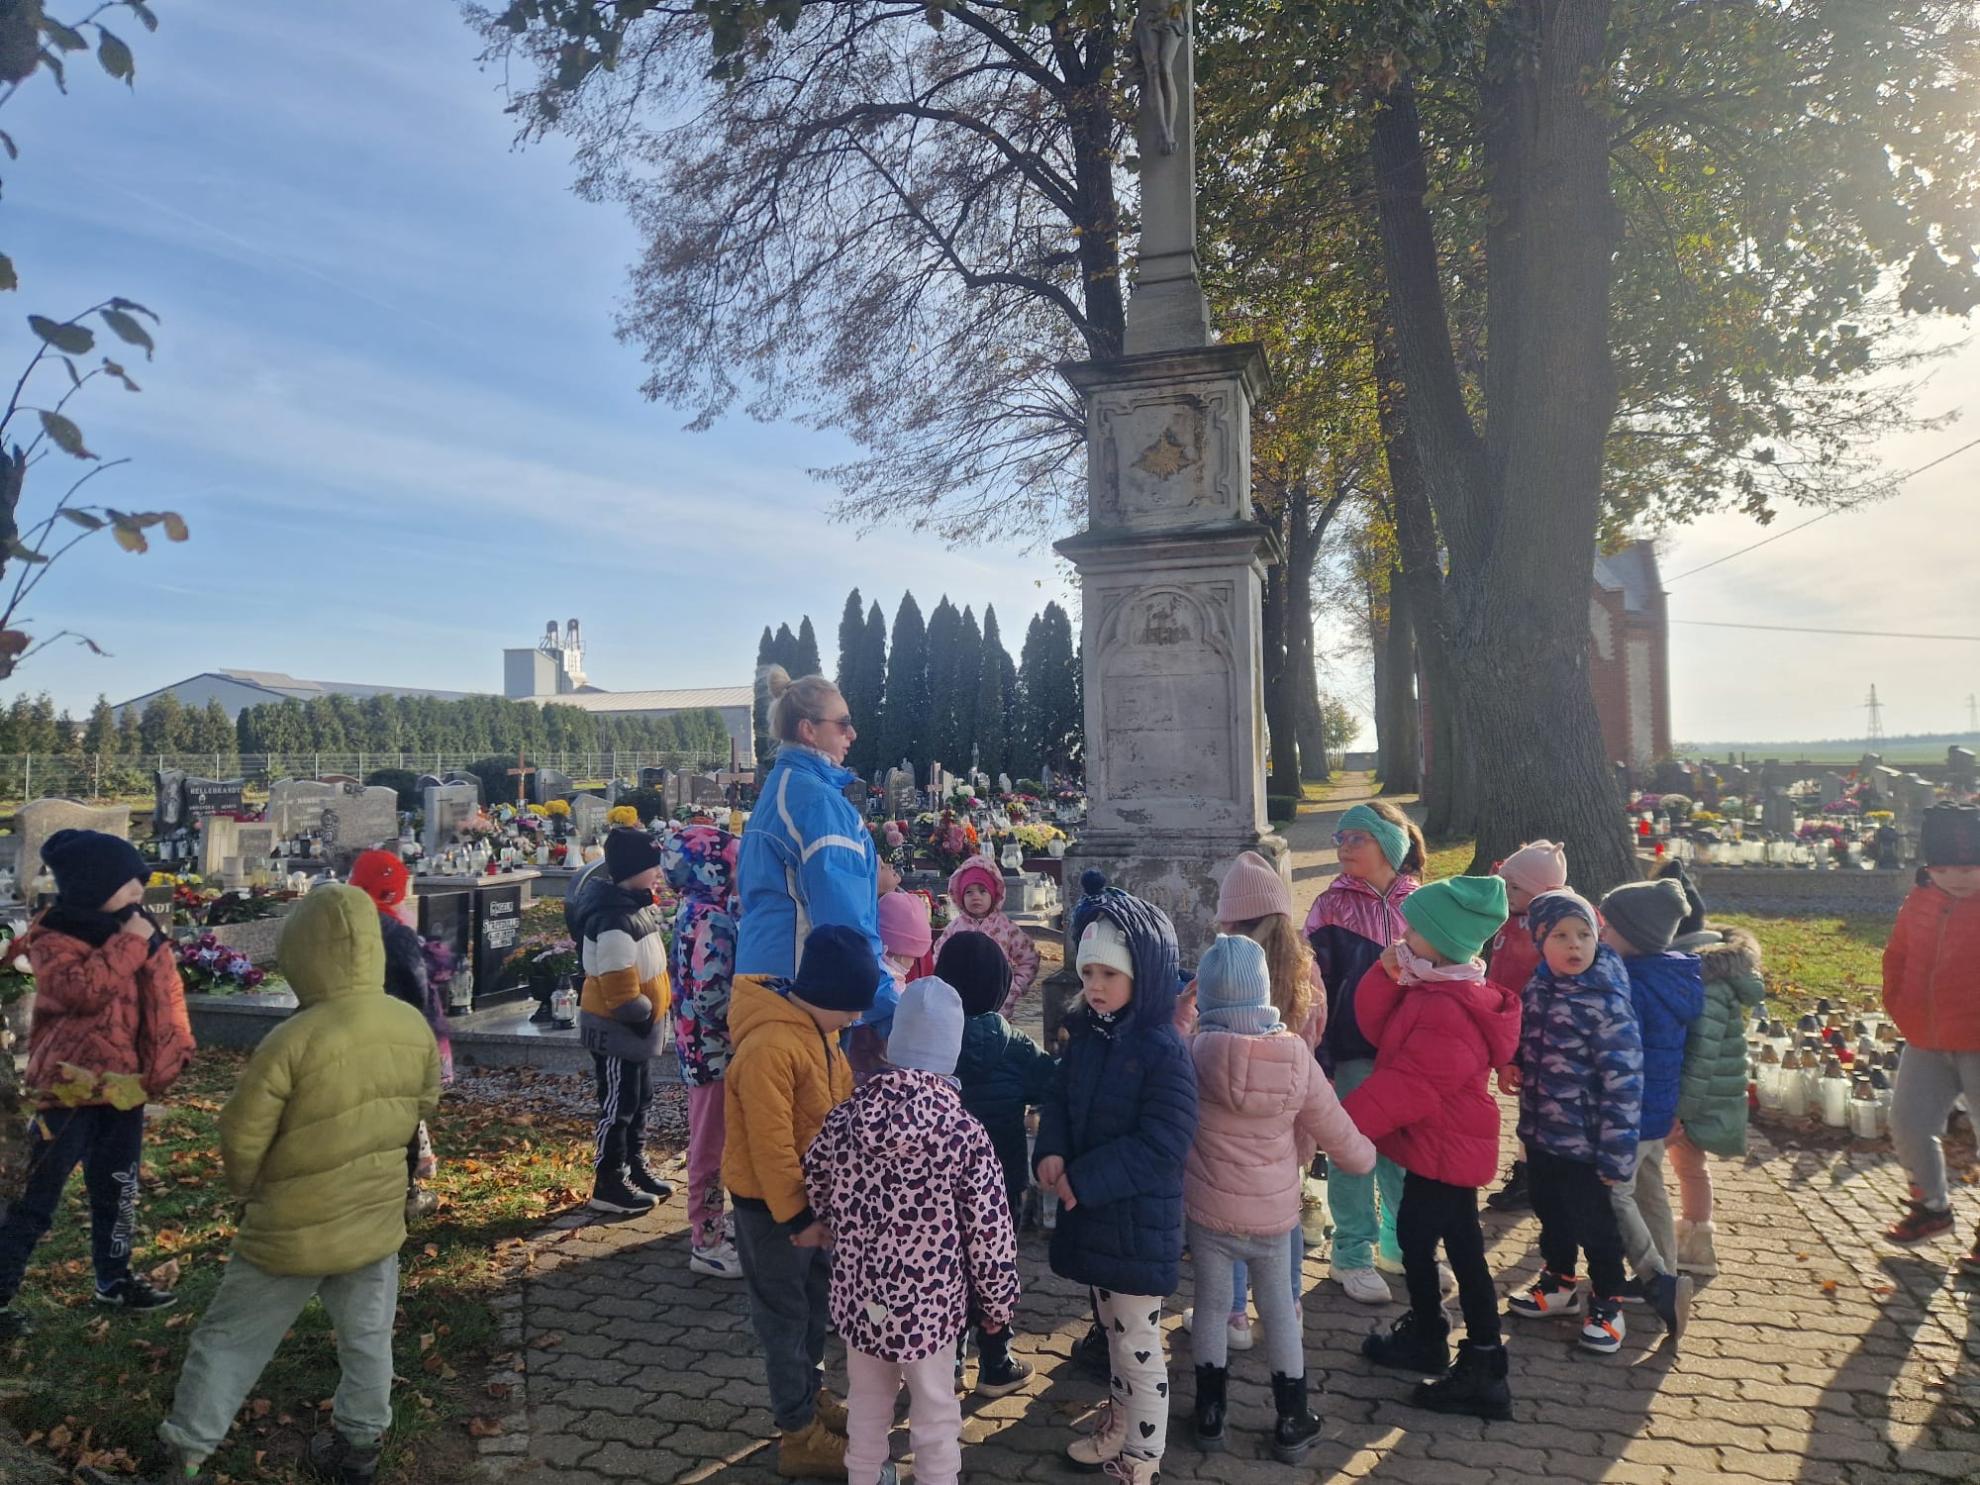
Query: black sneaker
[1089, 1354]
[642, 1179]
[14, 1323]
[1515, 1195]
[132, 1293]
[999, 1374]
[1636, 1292]
[331, 1456]
[1669, 1295]
[611, 1193]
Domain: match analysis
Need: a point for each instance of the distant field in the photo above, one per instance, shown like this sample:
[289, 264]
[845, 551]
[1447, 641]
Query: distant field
[1826, 752]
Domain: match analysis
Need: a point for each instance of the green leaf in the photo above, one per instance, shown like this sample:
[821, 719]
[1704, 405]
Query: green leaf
[119, 302]
[75, 339]
[68, 437]
[143, 13]
[111, 368]
[128, 329]
[67, 38]
[115, 57]
[53, 61]
[7, 143]
[75, 377]
[8, 278]
[18, 548]
[85, 520]
[130, 538]
[175, 526]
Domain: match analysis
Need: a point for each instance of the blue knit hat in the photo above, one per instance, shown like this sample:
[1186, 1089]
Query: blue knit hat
[1549, 908]
[838, 971]
[1234, 988]
[928, 1028]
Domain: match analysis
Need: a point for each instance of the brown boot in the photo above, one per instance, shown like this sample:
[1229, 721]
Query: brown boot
[830, 1411]
[813, 1452]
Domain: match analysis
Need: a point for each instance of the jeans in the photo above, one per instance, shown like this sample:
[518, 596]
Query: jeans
[1694, 1176]
[1434, 1212]
[625, 1089]
[788, 1290]
[1643, 1214]
[108, 1144]
[1296, 1261]
[1140, 1384]
[1922, 1100]
[706, 1123]
[934, 1416]
[1576, 1216]
[1360, 1223]
[1214, 1255]
[245, 1323]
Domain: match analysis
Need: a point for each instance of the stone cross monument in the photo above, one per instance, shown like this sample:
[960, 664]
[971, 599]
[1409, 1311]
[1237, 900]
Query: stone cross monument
[1171, 564]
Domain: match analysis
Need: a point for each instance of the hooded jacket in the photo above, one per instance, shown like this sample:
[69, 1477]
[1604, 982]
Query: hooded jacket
[806, 860]
[785, 1075]
[314, 1136]
[700, 862]
[114, 1007]
[1930, 967]
[922, 1240]
[1712, 1090]
[1003, 1072]
[1513, 956]
[1426, 1105]
[1263, 1107]
[624, 955]
[1016, 944]
[1668, 992]
[1581, 1067]
[1349, 927]
[1122, 1115]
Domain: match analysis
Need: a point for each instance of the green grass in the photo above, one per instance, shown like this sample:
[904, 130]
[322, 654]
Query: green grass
[1805, 958]
[1449, 860]
[91, 1388]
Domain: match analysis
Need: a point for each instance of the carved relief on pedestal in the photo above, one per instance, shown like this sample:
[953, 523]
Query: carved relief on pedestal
[1165, 459]
[1165, 667]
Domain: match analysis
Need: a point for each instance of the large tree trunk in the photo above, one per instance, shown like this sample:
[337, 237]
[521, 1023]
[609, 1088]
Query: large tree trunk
[1308, 528]
[1281, 709]
[1402, 769]
[1519, 506]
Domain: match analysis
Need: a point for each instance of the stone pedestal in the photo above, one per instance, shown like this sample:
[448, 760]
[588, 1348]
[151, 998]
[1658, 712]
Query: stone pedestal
[1171, 569]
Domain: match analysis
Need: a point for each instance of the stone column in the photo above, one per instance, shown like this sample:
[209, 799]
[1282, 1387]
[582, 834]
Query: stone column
[1171, 567]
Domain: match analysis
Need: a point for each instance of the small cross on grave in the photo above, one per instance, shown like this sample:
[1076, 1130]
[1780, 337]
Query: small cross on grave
[520, 773]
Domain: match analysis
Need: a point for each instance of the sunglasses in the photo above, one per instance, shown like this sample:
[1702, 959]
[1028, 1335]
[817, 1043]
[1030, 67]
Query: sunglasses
[844, 723]
[1352, 837]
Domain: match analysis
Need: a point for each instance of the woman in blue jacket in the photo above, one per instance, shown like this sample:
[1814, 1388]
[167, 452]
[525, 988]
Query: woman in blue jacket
[806, 859]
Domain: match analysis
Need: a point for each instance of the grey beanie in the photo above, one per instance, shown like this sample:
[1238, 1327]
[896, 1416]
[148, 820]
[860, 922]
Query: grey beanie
[928, 1028]
[1647, 913]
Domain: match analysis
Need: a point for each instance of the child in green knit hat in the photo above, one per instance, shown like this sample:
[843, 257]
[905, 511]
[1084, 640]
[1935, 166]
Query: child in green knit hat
[1439, 1029]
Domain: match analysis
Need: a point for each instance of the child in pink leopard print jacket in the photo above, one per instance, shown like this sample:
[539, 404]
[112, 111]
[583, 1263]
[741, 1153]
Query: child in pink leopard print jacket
[908, 1184]
[977, 890]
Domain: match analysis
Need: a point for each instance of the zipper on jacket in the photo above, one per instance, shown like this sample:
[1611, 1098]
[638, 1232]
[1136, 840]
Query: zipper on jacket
[1938, 949]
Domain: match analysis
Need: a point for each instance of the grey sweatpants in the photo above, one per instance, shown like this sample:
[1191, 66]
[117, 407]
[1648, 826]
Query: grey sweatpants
[237, 1337]
[1928, 1083]
[1643, 1214]
[1211, 1255]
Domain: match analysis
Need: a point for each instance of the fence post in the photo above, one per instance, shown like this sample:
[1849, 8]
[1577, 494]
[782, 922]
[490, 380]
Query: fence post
[27, 781]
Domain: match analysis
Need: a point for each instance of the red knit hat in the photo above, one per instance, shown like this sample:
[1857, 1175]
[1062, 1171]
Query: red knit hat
[382, 877]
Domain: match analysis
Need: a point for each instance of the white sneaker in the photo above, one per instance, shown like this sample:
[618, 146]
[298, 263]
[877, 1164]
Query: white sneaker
[1446, 1280]
[1365, 1286]
[1240, 1334]
[1387, 1264]
[718, 1262]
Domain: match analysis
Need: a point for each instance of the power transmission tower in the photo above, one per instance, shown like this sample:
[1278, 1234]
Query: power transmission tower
[1972, 714]
[1874, 733]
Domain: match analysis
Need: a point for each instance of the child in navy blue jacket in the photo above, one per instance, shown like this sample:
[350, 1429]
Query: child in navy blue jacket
[1112, 1139]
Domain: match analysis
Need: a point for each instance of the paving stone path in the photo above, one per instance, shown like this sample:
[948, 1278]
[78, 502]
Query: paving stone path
[1819, 1355]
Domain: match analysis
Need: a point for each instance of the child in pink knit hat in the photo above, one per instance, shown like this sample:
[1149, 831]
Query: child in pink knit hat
[977, 890]
[905, 935]
[1536, 867]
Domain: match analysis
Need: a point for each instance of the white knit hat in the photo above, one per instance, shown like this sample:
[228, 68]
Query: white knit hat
[1104, 943]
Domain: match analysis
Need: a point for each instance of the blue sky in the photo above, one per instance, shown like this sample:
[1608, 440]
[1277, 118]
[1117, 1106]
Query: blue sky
[388, 399]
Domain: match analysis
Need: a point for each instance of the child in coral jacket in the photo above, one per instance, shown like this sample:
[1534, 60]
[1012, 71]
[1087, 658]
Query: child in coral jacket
[1263, 1107]
[1439, 1029]
[1932, 991]
[977, 890]
[907, 1183]
[109, 1010]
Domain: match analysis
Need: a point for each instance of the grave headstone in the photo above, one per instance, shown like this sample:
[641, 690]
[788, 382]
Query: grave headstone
[855, 792]
[341, 780]
[298, 804]
[1834, 787]
[704, 789]
[254, 844]
[367, 816]
[588, 818]
[902, 801]
[1050, 783]
[1869, 762]
[1708, 787]
[168, 808]
[220, 851]
[937, 781]
[1738, 780]
[547, 784]
[1884, 782]
[1915, 795]
[448, 808]
[653, 778]
[1960, 769]
[205, 797]
[455, 776]
[35, 821]
[1672, 777]
[1004, 784]
[424, 782]
[1777, 814]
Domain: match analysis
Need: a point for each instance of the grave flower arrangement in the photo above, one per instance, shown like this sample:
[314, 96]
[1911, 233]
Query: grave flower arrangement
[478, 826]
[622, 814]
[557, 809]
[251, 906]
[1814, 831]
[1037, 839]
[210, 967]
[16, 978]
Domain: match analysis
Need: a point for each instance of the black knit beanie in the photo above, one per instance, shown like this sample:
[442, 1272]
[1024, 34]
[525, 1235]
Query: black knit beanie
[90, 867]
[978, 970]
[839, 970]
[629, 852]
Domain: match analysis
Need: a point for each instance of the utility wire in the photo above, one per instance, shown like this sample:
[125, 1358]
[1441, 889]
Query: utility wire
[1798, 629]
[1769, 540]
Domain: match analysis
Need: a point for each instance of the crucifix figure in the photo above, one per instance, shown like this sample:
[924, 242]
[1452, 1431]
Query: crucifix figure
[1167, 311]
[520, 773]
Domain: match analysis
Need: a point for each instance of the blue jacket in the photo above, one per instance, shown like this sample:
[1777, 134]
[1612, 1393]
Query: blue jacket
[1122, 1115]
[1581, 1066]
[1668, 991]
[1003, 1072]
[806, 860]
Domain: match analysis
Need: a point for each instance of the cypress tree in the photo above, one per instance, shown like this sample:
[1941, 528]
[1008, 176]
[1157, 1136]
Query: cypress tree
[964, 677]
[784, 648]
[766, 656]
[904, 733]
[944, 630]
[869, 714]
[851, 677]
[129, 743]
[100, 736]
[992, 725]
[805, 655]
[1048, 677]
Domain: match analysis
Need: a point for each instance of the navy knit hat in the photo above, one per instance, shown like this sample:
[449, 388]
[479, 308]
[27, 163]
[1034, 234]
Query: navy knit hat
[91, 867]
[1546, 911]
[978, 970]
[628, 852]
[1950, 835]
[838, 971]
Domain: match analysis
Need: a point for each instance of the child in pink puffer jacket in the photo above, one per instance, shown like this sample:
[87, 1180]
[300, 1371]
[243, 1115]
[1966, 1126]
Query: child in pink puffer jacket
[1263, 1106]
[977, 890]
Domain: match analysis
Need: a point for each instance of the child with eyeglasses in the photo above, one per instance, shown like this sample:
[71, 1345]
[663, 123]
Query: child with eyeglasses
[1351, 923]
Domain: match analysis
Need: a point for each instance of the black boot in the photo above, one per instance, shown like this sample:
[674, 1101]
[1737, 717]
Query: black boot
[1476, 1386]
[609, 1189]
[1412, 1346]
[1514, 1195]
[1089, 1353]
[1210, 1386]
[1298, 1426]
[643, 1179]
[998, 1373]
